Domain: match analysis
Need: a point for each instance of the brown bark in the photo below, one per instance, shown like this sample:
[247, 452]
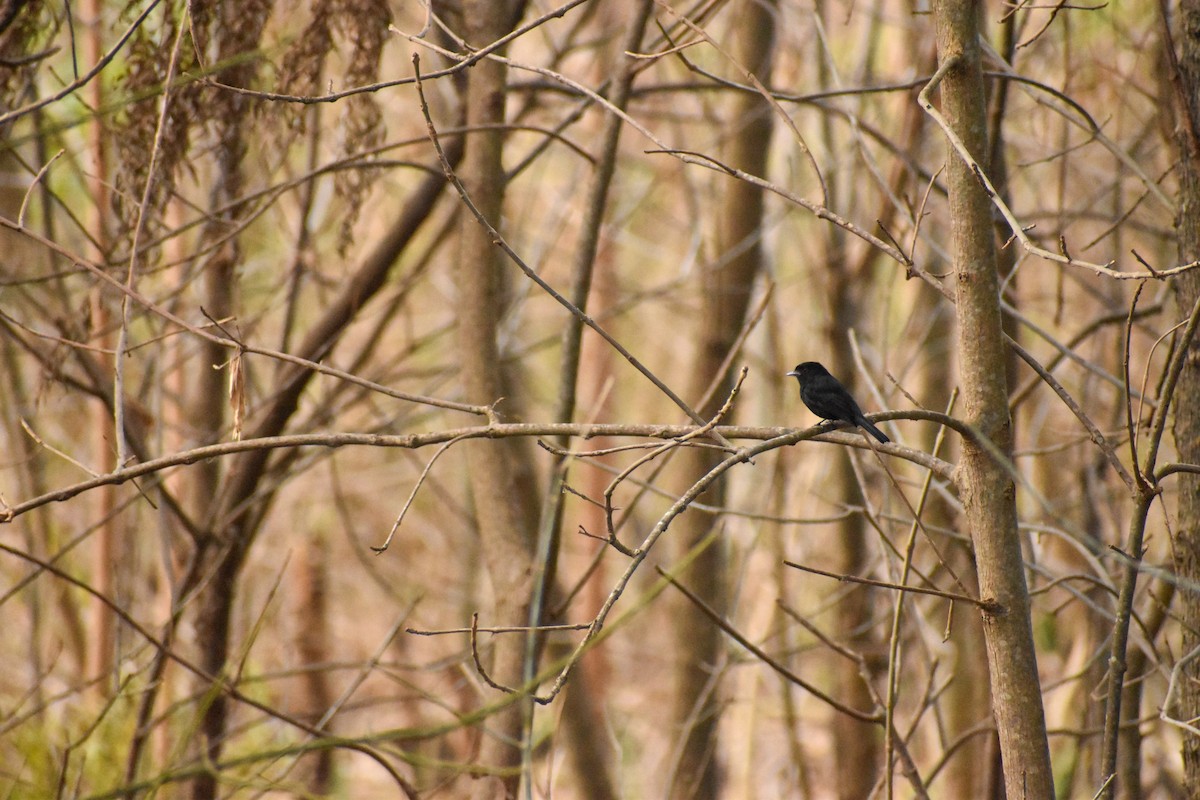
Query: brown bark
[590, 753]
[988, 494]
[222, 550]
[1186, 428]
[857, 744]
[239, 505]
[967, 703]
[313, 640]
[725, 299]
[242, 506]
[500, 472]
[74, 622]
[106, 553]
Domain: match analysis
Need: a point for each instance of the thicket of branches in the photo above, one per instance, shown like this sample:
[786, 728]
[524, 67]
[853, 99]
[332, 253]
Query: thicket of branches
[395, 399]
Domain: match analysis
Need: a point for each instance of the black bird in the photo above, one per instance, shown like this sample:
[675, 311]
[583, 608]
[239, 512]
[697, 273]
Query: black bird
[828, 399]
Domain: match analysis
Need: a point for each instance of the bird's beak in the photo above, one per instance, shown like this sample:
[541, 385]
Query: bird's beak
[794, 374]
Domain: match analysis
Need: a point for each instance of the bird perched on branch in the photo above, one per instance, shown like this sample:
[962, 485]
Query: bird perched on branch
[828, 399]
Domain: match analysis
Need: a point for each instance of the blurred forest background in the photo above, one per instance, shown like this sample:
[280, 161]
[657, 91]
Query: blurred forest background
[347, 342]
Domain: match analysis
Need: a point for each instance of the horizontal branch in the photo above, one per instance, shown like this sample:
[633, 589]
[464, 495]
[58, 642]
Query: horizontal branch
[988, 606]
[413, 441]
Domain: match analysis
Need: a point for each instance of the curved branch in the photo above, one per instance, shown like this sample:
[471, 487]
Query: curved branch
[779, 437]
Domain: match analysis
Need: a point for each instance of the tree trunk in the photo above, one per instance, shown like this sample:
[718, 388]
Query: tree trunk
[582, 720]
[857, 744]
[724, 303]
[501, 473]
[222, 548]
[988, 493]
[234, 507]
[1187, 393]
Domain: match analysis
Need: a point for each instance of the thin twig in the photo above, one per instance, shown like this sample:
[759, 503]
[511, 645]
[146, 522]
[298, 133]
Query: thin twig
[1144, 498]
[86, 78]
[989, 188]
[875, 716]
[502, 629]
[413, 494]
[160, 130]
[1130, 426]
[56, 451]
[987, 606]
[201, 331]
[611, 489]
[500, 242]
[760, 89]
[893, 676]
[639, 555]
[483, 673]
[33, 185]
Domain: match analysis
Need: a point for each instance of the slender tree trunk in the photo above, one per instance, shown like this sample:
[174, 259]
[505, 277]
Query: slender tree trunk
[71, 619]
[224, 546]
[1187, 393]
[725, 300]
[857, 744]
[314, 643]
[501, 474]
[102, 623]
[220, 552]
[969, 772]
[988, 493]
[582, 718]
[232, 502]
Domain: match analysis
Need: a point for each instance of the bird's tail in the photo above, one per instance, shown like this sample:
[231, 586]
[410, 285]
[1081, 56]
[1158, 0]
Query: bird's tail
[874, 431]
